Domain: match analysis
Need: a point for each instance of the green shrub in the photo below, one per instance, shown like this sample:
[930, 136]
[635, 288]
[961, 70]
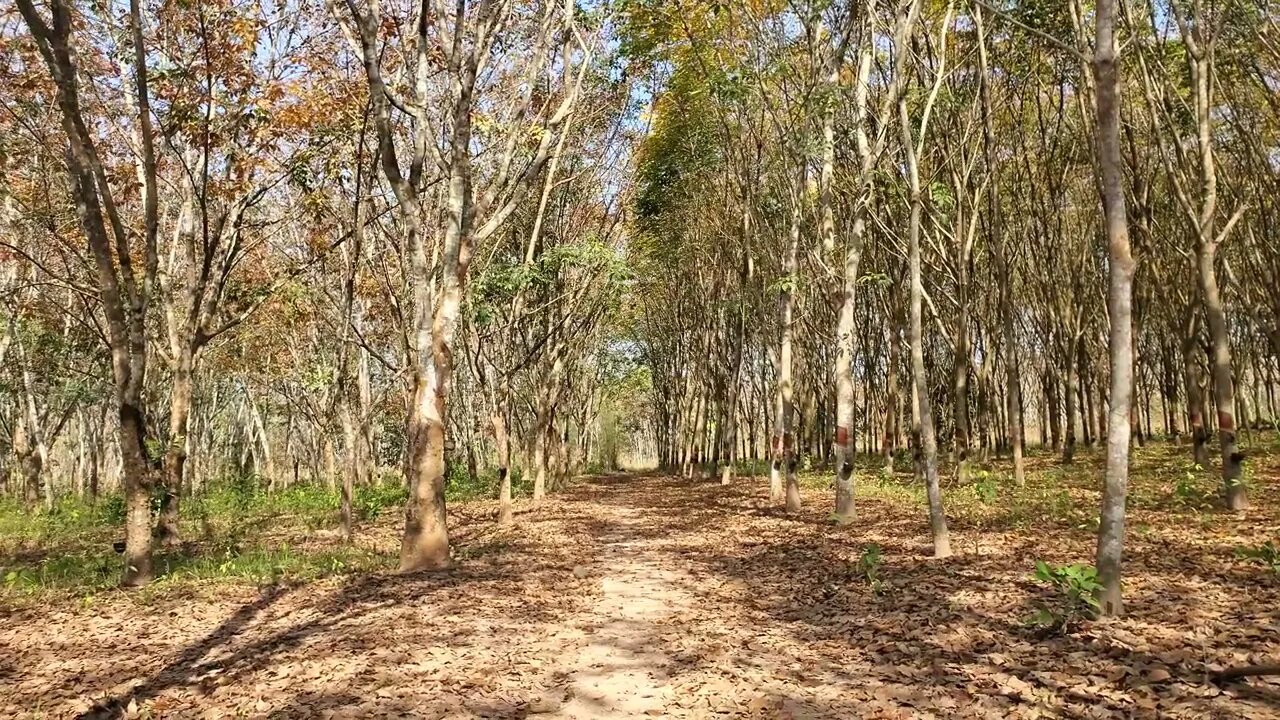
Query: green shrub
[318, 502]
[371, 500]
[111, 509]
[1267, 555]
[1076, 598]
[84, 571]
[1188, 492]
[66, 524]
[521, 484]
[267, 565]
[461, 486]
[986, 486]
[229, 497]
[868, 567]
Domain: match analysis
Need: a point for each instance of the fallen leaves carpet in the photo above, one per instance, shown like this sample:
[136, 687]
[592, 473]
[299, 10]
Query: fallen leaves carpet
[643, 595]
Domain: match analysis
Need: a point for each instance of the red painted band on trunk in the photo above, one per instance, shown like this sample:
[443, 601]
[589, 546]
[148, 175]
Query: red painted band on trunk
[842, 435]
[1226, 421]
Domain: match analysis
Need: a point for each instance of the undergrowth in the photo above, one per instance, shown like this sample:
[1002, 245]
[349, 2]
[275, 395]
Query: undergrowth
[235, 529]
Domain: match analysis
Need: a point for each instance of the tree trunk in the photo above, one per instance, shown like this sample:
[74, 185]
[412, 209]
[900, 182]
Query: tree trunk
[175, 459]
[892, 399]
[124, 299]
[784, 460]
[1191, 385]
[1233, 486]
[1200, 40]
[927, 445]
[846, 400]
[1013, 379]
[351, 450]
[425, 544]
[543, 423]
[502, 439]
[1072, 394]
[1054, 411]
[729, 429]
[1106, 69]
[137, 482]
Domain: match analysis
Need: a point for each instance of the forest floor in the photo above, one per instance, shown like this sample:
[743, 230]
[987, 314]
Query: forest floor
[636, 595]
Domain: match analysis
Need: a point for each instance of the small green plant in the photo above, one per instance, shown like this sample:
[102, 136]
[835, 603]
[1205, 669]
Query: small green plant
[112, 510]
[1061, 505]
[461, 485]
[371, 500]
[1076, 598]
[1246, 478]
[986, 487]
[1267, 555]
[806, 462]
[868, 567]
[1188, 492]
[16, 578]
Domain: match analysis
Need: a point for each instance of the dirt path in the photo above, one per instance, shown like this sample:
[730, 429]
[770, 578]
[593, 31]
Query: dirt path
[620, 671]
[635, 596]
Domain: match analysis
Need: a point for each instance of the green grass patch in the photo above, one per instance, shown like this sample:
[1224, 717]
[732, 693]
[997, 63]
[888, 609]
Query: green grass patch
[234, 531]
[461, 486]
[86, 573]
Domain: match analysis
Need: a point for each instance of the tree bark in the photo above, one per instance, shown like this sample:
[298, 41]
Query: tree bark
[1106, 70]
[1191, 385]
[1071, 395]
[927, 442]
[783, 466]
[1004, 270]
[124, 298]
[175, 459]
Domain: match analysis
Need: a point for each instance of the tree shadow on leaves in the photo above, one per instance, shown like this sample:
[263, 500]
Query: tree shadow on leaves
[204, 666]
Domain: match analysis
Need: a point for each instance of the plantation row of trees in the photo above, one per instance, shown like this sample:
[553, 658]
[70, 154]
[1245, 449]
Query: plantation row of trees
[883, 222]
[308, 243]
[330, 242]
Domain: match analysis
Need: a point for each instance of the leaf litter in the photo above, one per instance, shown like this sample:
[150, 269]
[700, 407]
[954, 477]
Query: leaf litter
[651, 596]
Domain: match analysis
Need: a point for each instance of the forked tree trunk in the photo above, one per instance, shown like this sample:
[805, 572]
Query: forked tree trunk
[1013, 378]
[425, 545]
[1054, 410]
[1200, 40]
[543, 423]
[846, 397]
[124, 296]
